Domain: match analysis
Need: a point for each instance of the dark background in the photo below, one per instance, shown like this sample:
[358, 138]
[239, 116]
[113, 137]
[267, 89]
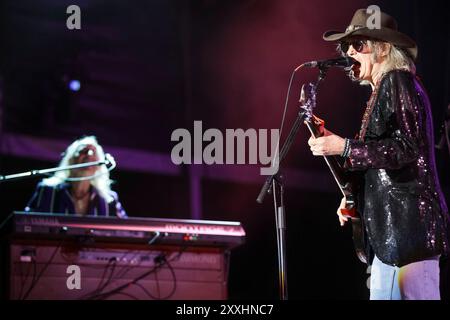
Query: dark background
[149, 67]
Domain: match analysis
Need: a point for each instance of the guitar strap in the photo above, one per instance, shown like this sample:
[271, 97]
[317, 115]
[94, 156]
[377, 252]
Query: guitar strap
[368, 112]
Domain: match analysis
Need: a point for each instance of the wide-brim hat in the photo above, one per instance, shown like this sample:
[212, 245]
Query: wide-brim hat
[386, 31]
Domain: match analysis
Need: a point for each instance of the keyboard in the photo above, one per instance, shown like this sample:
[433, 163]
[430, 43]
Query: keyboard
[185, 232]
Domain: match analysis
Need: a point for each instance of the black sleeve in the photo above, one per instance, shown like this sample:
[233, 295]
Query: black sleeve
[403, 113]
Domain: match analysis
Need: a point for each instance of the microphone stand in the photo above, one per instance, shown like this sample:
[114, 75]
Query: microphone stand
[275, 182]
[33, 173]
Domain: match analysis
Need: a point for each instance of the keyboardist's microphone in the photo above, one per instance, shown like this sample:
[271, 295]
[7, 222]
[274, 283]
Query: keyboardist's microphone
[109, 159]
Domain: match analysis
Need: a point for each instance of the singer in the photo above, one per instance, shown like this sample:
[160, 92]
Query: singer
[84, 191]
[400, 198]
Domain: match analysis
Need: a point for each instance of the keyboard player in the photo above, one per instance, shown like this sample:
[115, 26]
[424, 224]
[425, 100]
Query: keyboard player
[84, 191]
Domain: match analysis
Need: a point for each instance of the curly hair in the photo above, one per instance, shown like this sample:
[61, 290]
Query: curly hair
[397, 59]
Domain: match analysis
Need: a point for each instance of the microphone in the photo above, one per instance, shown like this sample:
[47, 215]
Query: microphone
[341, 62]
[109, 160]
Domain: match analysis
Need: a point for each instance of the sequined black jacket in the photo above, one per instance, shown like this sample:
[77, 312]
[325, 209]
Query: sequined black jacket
[404, 211]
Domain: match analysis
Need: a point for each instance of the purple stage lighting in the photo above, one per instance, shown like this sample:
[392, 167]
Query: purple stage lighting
[74, 85]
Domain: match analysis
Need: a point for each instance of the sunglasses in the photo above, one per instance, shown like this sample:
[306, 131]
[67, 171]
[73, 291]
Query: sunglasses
[358, 45]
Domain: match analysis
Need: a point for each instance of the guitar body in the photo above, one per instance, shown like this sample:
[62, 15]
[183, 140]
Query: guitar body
[343, 179]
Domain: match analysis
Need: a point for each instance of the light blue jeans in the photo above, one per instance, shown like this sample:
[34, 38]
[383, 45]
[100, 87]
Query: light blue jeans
[415, 281]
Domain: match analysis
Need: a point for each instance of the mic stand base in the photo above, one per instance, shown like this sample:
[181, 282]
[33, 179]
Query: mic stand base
[280, 220]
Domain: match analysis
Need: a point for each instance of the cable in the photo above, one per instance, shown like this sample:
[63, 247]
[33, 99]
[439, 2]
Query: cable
[173, 276]
[121, 272]
[36, 280]
[23, 279]
[160, 260]
[286, 103]
[118, 289]
[158, 288]
[174, 288]
[172, 292]
[145, 290]
[111, 262]
[33, 279]
[6, 220]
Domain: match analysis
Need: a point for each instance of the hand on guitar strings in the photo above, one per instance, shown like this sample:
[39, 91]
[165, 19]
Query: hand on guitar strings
[342, 219]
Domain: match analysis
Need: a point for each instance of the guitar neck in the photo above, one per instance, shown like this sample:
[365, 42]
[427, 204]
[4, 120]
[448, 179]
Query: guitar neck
[332, 162]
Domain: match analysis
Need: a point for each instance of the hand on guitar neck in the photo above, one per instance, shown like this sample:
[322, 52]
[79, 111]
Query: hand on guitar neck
[326, 143]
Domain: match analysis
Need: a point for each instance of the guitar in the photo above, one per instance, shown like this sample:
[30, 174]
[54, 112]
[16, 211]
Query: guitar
[343, 180]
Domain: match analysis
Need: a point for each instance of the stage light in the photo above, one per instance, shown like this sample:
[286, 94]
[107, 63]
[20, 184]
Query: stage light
[74, 85]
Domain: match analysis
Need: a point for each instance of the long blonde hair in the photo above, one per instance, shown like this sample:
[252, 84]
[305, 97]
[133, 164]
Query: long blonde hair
[101, 182]
[397, 58]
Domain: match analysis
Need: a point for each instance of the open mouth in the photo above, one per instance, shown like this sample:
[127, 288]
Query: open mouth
[354, 69]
